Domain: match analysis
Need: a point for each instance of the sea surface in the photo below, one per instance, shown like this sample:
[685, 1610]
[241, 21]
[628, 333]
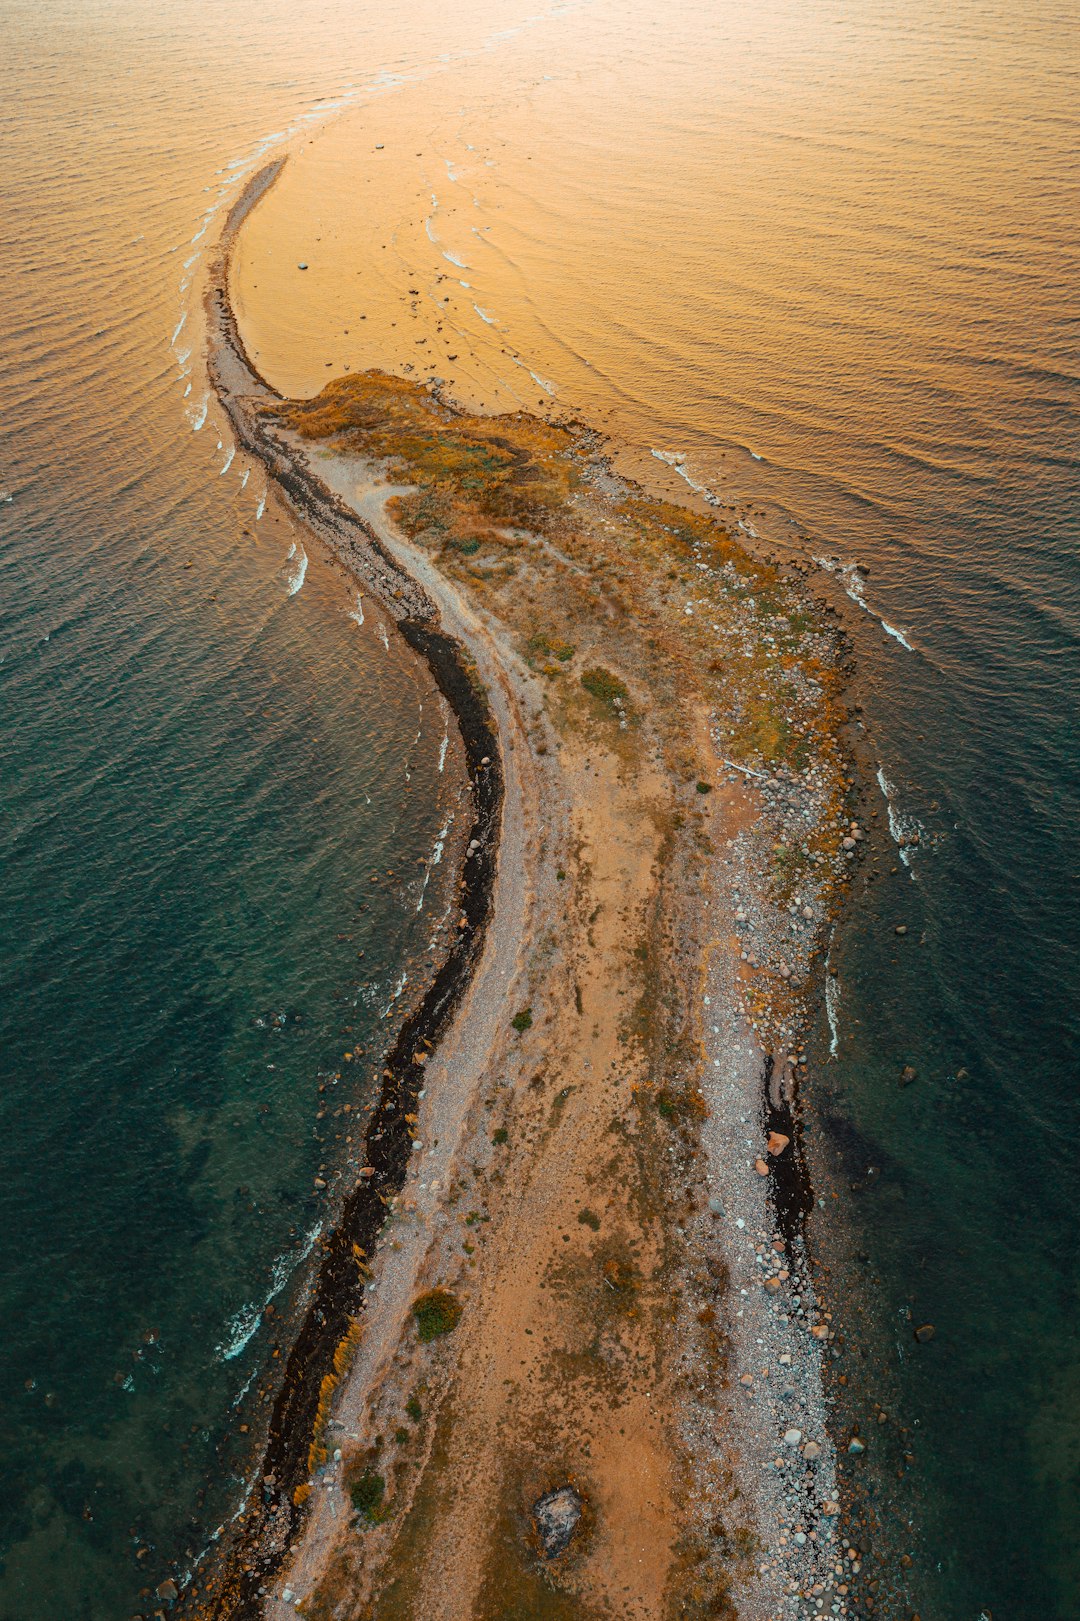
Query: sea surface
[816, 261]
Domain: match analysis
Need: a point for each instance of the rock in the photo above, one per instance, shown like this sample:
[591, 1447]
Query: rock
[301, 266]
[830, 1510]
[908, 1074]
[771, 1285]
[556, 1516]
[848, 843]
[761, 1167]
[168, 1590]
[924, 1332]
[856, 1446]
[716, 1207]
[746, 1379]
[486, 760]
[320, 1182]
[808, 913]
[820, 1331]
[812, 1450]
[901, 928]
[792, 1437]
[777, 1143]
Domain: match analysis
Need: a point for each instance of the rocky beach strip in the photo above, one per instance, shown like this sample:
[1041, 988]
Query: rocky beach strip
[587, 1158]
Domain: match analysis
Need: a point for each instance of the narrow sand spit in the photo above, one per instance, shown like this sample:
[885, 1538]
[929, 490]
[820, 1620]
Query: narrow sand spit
[586, 1377]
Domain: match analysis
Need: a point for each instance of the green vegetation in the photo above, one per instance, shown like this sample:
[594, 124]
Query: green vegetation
[438, 1312]
[500, 1136]
[589, 1218]
[605, 686]
[523, 1020]
[367, 1496]
[704, 787]
[414, 1409]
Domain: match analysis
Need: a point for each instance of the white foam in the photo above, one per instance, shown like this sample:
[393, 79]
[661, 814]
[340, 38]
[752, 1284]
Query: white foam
[230, 453]
[902, 825]
[383, 636]
[832, 1008]
[297, 576]
[246, 475]
[455, 260]
[200, 413]
[179, 328]
[436, 857]
[851, 579]
[677, 462]
[484, 316]
[245, 1323]
[261, 508]
[358, 612]
[431, 234]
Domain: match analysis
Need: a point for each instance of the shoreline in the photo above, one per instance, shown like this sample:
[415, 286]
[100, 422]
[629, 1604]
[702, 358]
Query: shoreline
[377, 561]
[338, 1290]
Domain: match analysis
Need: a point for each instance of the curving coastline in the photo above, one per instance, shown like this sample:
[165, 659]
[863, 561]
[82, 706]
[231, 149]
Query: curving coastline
[253, 1548]
[681, 1084]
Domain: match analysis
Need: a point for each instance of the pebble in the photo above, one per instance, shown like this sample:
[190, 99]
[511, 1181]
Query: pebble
[856, 1446]
[901, 928]
[812, 1450]
[792, 1437]
[761, 1167]
[716, 1206]
[924, 1332]
[908, 1074]
[777, 1142]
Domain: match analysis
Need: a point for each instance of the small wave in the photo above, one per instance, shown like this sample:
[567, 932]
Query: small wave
[484, 316]
[179, 328]
[436, 857]
[905, 829]
[231, 452]
[261, 508]
[297, 575]
[245, 1323]
[6, 497]
[891, 630]
[396, 992]
[543, 382]
[677, 462]
[850, 577]
[832, 1008]
[383, 636]
[199, 416]
[357, 613]
[431, 234]
[443, 746]
[454, 260]
[244, 478]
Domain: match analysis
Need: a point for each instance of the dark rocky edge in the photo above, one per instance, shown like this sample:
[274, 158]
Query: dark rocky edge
[252, 1550]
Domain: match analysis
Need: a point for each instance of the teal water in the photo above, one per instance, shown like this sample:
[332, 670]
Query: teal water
[847, 245]
[205, 759]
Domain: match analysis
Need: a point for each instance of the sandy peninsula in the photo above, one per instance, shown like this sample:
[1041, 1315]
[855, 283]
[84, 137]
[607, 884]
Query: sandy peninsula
[564, 1355]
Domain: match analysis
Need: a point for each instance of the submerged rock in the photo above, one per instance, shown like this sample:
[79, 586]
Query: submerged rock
[556, 1516]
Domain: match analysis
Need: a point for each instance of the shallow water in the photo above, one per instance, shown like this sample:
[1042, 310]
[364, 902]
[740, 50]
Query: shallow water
[826, 253]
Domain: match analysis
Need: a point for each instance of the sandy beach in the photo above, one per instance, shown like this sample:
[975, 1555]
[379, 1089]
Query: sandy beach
[579, 1371]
